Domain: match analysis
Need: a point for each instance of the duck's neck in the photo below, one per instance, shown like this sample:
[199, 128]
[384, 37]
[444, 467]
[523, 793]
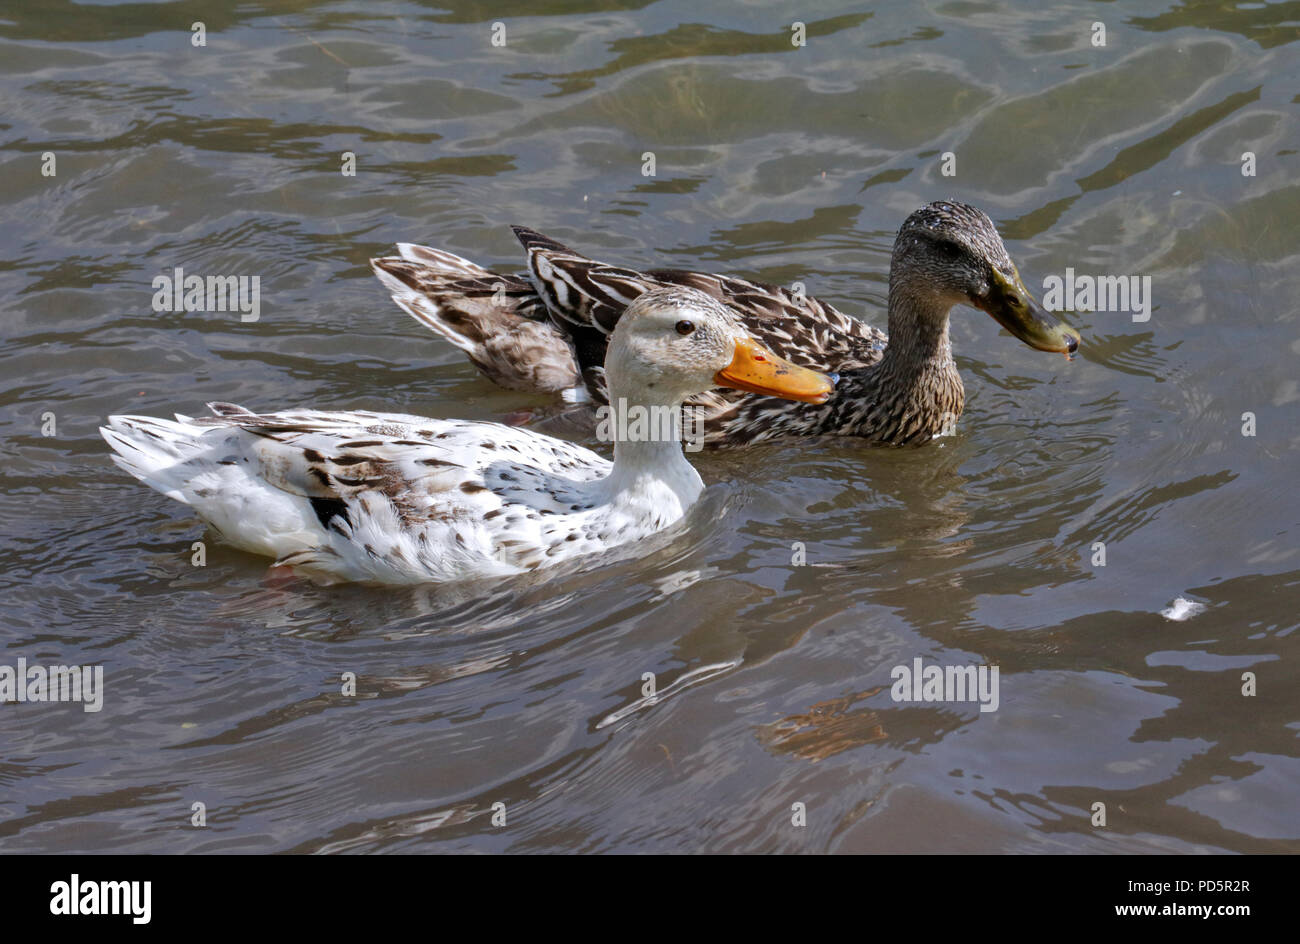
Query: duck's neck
[914, 392]
[918, 334]
[650, 470]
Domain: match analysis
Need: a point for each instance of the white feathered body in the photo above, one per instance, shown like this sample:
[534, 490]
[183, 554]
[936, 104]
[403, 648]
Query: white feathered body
[393, 498]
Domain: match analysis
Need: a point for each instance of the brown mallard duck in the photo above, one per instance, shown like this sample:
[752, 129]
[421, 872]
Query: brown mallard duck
[547, 330]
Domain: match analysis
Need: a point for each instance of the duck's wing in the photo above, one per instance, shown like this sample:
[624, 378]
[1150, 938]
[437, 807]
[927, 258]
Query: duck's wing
[499, 321]
[800, 328]
[360, 495]
[586, 298]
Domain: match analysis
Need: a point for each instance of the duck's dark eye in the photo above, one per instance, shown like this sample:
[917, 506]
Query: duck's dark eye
[685, 327]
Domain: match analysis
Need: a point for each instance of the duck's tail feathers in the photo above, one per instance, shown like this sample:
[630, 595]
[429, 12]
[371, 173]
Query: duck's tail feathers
[499, 321]
[155, 450]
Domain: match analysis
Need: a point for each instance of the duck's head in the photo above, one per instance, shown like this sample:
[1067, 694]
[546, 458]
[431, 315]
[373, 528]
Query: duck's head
[674, 342]
[953, 251]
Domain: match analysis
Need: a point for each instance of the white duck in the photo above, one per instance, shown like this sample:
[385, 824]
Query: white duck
[391, 498]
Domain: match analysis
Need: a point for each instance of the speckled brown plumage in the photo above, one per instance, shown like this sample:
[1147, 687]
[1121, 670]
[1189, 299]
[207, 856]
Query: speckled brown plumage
[898, 388]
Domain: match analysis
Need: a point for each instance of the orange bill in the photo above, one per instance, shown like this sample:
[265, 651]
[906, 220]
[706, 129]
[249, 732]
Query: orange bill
[758, 370]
